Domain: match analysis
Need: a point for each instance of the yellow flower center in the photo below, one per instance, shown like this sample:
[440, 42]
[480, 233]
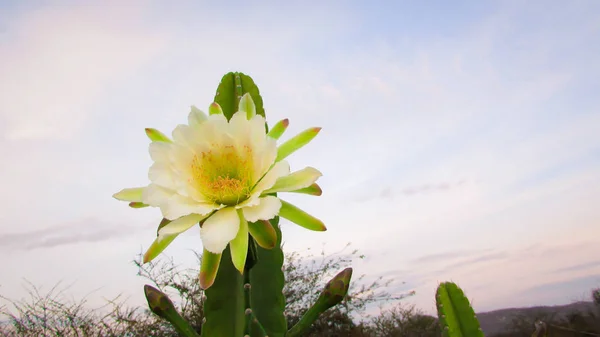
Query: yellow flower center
[223, 174]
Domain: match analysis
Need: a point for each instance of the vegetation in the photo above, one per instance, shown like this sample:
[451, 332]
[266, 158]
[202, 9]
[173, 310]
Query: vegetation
[577, 323]
[54, 314]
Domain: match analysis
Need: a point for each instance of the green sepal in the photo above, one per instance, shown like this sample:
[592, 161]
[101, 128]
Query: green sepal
[157, 136]
[133, 194]
[208, 268]
[295, 143]
[215, 109]
[239, 244]
[137, 204]
[279, 128]
[296, 180]
[263, 232]
[247, 105]
[313, 189]
[158, 246]
[300, 217]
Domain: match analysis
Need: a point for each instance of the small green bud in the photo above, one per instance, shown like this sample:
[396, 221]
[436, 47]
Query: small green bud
[158, 302]
[336, 289]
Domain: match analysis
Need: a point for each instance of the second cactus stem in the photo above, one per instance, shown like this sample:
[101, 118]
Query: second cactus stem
[456, 316]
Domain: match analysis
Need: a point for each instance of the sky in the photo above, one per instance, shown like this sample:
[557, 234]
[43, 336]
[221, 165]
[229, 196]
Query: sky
[460, 141]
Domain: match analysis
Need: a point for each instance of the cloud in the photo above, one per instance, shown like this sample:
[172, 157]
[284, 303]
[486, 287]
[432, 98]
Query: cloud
[445, 256]
[575, 289]
[409, 191]
[578, 267]
[81, 231]
[61, 60]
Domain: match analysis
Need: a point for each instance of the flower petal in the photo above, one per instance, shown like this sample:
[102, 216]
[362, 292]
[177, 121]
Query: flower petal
[296, 142]
[267, 209]
[178, 206]
[263, 232]
[157, 136]
[301, 218]
[161, 174]
[185, 135]
[159, 151]
[239, 129]
[247, 105]
[156, 196]
[265, 148]
[278, 170]
[208, 268]
[219, 229]
[279, 128]
[196, 117]
[130, 194]
[295, 181]
[180, 225]
[239, 245]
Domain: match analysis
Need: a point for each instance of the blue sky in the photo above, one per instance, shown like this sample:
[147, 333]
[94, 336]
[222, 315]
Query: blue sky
[459, 141]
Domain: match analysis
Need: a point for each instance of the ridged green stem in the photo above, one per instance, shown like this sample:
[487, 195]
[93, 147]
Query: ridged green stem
[334, 292]
[456, 316]
[253, 326]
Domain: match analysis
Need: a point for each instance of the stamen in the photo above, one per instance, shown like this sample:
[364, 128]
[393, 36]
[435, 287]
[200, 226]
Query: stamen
[223, 174]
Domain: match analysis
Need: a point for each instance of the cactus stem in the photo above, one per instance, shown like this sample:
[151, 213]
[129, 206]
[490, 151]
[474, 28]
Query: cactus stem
[250, 317]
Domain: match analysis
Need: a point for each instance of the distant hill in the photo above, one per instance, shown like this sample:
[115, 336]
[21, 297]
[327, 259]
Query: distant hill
[493, 322]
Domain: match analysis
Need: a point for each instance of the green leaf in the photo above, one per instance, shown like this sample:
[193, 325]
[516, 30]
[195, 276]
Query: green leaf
[456, 316]
[267, 279]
